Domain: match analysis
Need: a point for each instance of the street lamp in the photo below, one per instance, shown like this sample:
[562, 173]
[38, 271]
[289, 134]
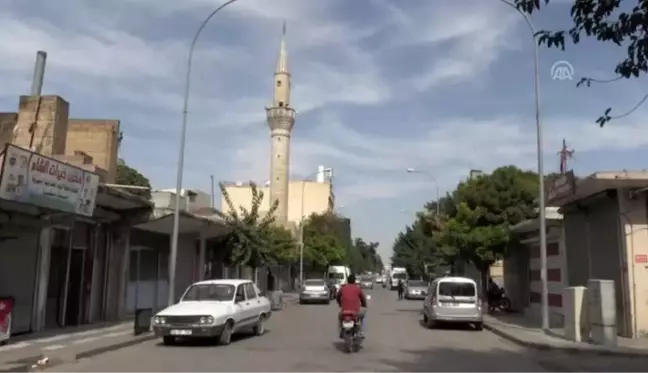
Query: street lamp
[436, 183]
[173, 254]
[540, 151]
[302, 219]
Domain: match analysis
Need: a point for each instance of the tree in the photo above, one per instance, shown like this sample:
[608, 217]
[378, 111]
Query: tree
[415, 250]
[605, 21]
[323, 241]
[368, 258]
[252, 240]
[282, 246]
[486, 207]
[129, 176]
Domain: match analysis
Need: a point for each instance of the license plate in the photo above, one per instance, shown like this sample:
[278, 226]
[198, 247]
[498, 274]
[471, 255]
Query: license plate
[347, 324]
[180, 332]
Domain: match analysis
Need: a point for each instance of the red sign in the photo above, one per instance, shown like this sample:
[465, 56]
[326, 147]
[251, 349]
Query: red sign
[6, 309]
[641, 258]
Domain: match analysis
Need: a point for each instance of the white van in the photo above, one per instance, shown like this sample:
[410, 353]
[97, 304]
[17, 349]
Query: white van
[453, 300]
[337, 275]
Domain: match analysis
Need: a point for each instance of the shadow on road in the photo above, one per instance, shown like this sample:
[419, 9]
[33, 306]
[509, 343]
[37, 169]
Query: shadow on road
[450, 326]
[212, 342]
[499, 360]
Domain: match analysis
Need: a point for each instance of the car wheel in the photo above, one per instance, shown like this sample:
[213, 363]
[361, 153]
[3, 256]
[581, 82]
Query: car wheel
[226, 335]
[168, 340]
[327, 302]
[301, 301]
[479, 326]
[259, 328]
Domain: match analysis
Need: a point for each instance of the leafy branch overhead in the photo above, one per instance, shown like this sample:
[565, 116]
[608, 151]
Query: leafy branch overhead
[609, 21]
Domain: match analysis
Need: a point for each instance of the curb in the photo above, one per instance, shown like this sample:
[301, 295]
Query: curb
[55, 360]
[582, 350]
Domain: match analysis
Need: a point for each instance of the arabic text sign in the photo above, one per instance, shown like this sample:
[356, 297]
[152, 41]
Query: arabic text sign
[42, 181]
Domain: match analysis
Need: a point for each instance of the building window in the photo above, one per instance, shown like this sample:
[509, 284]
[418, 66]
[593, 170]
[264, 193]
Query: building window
[278, 83]
[278, 156]
[281, 103]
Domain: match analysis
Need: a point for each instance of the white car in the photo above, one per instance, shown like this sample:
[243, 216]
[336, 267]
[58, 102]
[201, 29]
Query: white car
[214, 309]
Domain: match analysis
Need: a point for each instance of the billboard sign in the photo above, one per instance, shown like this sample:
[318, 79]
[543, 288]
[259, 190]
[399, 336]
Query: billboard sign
[42, 181]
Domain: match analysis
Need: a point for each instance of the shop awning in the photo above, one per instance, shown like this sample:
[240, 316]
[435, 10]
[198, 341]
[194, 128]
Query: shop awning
[162, 222]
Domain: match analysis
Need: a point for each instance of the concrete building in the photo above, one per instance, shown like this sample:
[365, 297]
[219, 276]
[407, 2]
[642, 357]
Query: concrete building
[306, 197]
[281, 119]
[64, 237]
[600, 231]
[605, 219]
[522, 268]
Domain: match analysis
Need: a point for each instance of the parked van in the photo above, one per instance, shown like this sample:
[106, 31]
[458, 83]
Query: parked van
[453, 300]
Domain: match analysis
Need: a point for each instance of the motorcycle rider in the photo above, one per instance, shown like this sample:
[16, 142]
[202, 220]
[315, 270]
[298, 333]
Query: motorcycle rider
[494, 291]
[351, 298]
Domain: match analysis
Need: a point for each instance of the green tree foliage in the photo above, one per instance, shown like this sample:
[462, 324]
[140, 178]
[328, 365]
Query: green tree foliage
[129, 176]
[474, 223]
[252, 241]
[367, 258]
[281, 244]
[415, 250]
[610, 21]
[324, 243]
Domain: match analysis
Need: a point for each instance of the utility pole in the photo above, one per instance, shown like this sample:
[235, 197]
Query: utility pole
[213, 204]
[565, 155]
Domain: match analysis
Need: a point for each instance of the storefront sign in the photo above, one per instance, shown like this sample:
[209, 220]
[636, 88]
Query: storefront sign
[6, 311]
[562, 186]
[32, 178]
[641, 259]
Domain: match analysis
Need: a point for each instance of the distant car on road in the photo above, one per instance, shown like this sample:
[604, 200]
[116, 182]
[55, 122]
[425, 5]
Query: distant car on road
[416, 289]
[214, 309]
[380, 279]
[314, 291]
[367, 282]
[453, 300]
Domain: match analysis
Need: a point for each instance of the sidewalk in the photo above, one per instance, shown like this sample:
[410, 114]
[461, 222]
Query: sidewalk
[517, 329]
[67, 345]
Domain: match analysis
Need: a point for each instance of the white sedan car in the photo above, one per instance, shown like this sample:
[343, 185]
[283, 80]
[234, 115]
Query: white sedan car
[214, 309]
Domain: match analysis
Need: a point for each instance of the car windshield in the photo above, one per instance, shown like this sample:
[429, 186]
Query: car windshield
[457, 289]
[336, 276]
[314, 283]
[400, 276]
[209, 292]
[417, 284]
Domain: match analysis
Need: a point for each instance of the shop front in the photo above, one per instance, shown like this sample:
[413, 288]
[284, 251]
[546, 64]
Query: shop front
[61, 242]
[148, 278]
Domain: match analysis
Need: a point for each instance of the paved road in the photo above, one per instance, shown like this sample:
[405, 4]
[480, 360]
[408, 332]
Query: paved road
[303, 338]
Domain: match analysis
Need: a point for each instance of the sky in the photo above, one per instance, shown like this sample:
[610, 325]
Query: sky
[379, 86]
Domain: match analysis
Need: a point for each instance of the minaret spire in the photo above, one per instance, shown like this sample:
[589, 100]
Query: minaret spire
[282, 60]
[281, 119]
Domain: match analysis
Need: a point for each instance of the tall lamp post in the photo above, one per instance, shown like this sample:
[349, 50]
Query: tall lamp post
[540, 151]
[436, 184]
[173, 254]
[302, 220]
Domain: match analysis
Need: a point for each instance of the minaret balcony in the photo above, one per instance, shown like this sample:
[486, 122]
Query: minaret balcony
[281, 112]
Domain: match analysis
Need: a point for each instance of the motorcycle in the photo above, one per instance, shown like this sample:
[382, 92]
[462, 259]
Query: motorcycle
[499, 302]
[351, 332]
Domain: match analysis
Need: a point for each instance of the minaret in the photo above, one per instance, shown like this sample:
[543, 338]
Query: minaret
[281, 118]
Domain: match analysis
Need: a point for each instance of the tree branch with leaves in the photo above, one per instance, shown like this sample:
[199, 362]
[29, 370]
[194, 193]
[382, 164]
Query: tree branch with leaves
[606, 21]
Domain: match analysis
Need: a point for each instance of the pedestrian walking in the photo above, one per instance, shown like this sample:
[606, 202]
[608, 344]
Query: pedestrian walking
[401, 289]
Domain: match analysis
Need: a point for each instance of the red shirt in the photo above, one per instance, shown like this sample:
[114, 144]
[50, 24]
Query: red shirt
[351, 298]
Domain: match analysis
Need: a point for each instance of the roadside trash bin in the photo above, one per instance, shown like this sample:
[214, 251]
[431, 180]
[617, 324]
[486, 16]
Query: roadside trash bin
[276, 300]
[143, 318]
